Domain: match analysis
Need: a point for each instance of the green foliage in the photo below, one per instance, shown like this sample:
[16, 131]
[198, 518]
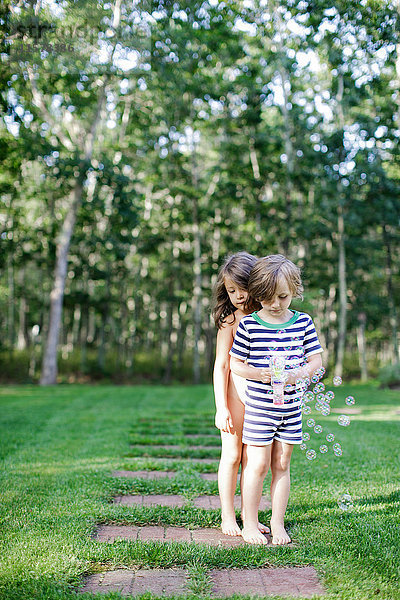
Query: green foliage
[389, 376]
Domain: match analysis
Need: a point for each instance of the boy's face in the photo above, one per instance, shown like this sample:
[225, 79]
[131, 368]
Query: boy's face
[237, 295]
[280, 302]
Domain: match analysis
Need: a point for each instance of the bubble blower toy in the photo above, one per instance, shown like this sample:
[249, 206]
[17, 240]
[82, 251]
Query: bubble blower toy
[278, 378]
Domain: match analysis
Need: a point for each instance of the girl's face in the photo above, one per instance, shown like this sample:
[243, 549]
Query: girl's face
[237, 295]
[280, 302]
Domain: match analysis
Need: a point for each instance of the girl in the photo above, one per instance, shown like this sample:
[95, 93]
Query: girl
[231, 303]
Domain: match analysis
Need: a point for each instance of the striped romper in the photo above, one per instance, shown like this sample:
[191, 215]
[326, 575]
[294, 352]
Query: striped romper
[255, 341]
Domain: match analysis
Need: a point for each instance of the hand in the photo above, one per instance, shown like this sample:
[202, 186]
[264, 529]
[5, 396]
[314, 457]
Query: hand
[265, 375]
[223, 420]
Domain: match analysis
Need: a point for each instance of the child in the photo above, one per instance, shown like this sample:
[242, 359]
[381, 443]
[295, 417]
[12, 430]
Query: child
[275, 329]
[230, 305]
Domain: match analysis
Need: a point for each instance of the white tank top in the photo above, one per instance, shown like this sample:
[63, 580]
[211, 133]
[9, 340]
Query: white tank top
[240, 384]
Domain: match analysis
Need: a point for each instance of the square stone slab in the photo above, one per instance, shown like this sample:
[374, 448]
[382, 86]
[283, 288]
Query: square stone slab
[288, 581]
[160, 582]
[158, 533]
[174, 500]
[145, 474]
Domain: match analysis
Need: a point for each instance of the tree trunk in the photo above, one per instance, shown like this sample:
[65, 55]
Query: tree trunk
[391, 301]
[49, 366]
[342, 296]
[362, 317]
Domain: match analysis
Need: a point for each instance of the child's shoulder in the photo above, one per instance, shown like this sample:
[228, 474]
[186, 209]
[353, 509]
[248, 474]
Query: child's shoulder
[303, 317]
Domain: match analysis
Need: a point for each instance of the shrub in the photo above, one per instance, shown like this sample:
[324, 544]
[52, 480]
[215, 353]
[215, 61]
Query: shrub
[389, 376]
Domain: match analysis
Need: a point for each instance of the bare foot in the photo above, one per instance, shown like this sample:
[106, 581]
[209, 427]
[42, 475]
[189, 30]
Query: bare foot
[279, 535]
[253, 536]
[263, 528]
[230, 527]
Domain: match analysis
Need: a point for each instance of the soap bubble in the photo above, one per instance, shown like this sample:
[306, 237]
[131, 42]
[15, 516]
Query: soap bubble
[337, 449]
[308, 397]
[306, 410]
[345, 502]
[323, 448]
[325, 410]
[318, 429]
[329, 395]
[303, 446]
[319, 388]
[349, 400]
[311, 454]
[320, 397]
[330, 437]
[306, 436]
[343, 420]
[310, 423]
[337, 380]
[314, 378]
[318, 406]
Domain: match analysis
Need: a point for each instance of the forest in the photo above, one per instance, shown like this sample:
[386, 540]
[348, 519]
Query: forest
[141, 142]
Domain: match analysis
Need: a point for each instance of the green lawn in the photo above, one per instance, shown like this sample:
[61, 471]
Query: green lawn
[59, 445]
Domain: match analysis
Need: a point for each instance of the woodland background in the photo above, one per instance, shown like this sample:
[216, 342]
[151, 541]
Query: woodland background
[141, 142]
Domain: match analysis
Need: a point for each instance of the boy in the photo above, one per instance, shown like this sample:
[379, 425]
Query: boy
[273, 330]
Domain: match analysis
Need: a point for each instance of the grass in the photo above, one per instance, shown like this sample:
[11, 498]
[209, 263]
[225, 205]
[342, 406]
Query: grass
[60, 444]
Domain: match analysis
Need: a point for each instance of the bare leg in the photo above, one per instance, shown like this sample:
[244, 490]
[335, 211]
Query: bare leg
[231, 455]
[280, 488]
[263, 528]
[259, 458]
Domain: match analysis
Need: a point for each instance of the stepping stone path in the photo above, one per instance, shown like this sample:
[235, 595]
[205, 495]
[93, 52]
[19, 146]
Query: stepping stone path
[159, 475]
[176, 501]
[291, 581]
[158, 533]
[294, 581]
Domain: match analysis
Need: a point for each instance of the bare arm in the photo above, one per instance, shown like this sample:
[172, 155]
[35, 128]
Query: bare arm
[239, 367]
[223, 419]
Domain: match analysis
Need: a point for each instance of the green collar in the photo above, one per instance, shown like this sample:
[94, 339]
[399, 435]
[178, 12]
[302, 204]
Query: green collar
[276, 325]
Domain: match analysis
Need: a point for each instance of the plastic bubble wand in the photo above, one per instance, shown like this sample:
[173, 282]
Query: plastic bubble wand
[278, 378]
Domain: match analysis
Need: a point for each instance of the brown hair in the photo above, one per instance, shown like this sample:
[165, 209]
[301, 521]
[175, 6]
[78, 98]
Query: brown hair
[266, 273]
[237, 267]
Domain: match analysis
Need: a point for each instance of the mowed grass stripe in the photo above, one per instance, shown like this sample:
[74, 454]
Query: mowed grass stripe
[59, 446]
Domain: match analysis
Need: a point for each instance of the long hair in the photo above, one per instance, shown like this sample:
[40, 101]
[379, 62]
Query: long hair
[237, 267]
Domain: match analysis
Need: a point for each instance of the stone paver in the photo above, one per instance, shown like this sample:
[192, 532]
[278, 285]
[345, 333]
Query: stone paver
[159, 533]
[174, 500]
[288, 581]
[145, 474]
[159, 475]
[161, 582]
[347, 410]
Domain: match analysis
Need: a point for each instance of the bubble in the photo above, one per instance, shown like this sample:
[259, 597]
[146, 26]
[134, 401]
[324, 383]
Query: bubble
[281, 331]
[303, 446]
[345, 502]
[323, 448]
[319, 388]
[349, 400]
[288, 348]
[306, 436]
[325, 411]
[338, 452]
[308, 397]
[343, 420]
[320, 397]
[337, 380]
[329, 395]
[318, 406]
[314, 378]
[330, 437]
[318, 429]
[306, 381]
[322, 371]
[310, 423]
[311, 454]
[306, 410]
